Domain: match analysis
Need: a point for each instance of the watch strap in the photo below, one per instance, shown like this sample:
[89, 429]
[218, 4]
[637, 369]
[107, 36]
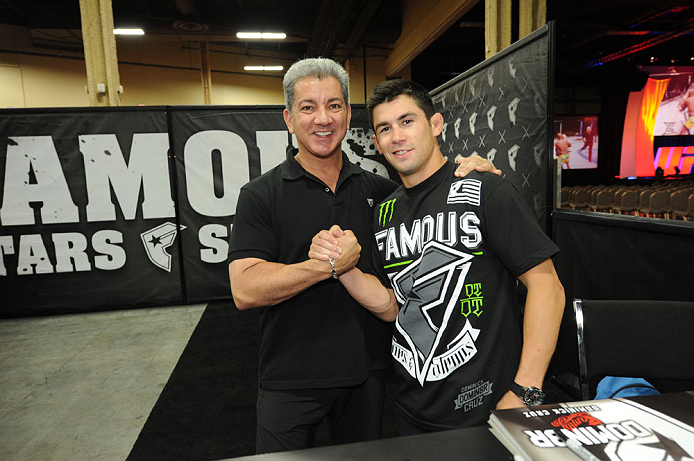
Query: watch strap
[531, 396]
[518, 389]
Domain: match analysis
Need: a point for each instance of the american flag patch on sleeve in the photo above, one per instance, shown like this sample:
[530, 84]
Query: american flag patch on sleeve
[466, 191]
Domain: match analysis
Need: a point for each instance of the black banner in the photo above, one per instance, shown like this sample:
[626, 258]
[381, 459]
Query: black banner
[501, 110]
[86, 204]
[97, 212]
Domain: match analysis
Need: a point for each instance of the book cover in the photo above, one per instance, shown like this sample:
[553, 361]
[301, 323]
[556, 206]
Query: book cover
[644, 428]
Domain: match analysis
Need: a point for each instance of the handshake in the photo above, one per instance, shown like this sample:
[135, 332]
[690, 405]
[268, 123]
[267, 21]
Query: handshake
[338, 246]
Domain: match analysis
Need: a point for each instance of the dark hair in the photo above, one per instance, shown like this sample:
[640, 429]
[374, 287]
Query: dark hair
[388, 90]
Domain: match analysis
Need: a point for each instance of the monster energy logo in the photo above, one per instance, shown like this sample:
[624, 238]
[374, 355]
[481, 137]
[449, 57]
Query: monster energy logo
[385, 212]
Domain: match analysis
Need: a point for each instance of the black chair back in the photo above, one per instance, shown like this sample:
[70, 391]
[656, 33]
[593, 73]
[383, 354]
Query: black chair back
[633, 338]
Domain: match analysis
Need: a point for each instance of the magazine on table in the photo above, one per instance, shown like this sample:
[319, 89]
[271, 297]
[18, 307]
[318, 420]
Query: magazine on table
[644, 428]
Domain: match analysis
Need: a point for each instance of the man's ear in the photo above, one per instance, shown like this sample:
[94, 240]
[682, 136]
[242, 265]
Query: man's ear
[436, 123]
[288, 120]
[349, 115]
[376, 143]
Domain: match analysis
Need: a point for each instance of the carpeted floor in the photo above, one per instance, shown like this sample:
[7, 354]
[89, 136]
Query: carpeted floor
[206, 411]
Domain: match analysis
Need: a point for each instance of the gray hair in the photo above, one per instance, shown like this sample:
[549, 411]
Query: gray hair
[313, 67]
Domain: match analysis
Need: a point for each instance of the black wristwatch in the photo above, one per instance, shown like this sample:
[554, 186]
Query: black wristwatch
[531, 396]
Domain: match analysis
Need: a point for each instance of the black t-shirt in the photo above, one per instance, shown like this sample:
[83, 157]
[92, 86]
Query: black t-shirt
[452, 250]
[321, 337]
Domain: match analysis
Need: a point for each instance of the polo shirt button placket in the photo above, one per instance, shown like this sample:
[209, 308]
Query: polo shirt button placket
[327, 189]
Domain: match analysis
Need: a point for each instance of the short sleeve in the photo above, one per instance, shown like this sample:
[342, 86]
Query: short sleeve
[513, 233]
[252, 234]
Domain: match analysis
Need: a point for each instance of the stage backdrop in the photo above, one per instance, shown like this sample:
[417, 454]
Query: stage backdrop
[502, 109]
[96, 211]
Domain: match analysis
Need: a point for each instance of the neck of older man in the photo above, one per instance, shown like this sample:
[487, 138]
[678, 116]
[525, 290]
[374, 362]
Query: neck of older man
[327, 169]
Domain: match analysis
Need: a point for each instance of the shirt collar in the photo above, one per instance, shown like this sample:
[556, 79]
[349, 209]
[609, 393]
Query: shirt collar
[291, 169]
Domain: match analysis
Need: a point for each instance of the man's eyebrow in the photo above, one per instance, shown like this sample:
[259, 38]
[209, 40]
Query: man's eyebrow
[381, 124]
[400, 118]
[313, 101]
[305, 100]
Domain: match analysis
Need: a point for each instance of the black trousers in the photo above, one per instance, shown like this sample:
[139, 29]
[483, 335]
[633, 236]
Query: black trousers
[288, 419]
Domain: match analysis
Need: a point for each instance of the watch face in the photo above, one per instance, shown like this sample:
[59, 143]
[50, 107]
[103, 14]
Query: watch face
[533, 396]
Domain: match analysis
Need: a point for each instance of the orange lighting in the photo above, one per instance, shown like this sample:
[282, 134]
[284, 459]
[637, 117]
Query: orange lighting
[653, 94]
[669, 158]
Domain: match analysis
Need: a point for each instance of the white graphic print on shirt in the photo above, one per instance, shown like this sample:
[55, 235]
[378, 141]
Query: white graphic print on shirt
[429, 289]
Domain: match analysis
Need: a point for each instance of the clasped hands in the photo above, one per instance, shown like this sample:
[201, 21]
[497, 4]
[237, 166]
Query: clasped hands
[337, 244]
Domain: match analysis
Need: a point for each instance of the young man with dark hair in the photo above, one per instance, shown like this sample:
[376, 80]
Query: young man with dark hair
[448, 254]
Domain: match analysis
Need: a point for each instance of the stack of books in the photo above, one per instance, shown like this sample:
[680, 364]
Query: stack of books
[654, 427]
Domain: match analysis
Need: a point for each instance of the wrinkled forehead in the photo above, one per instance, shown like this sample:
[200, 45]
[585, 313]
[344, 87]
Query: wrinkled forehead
[316, 87]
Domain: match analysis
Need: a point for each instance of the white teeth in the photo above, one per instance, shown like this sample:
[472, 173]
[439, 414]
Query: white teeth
[324, 133]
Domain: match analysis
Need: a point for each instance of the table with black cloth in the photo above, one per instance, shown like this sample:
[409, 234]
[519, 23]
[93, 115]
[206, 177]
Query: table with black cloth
[472, 443]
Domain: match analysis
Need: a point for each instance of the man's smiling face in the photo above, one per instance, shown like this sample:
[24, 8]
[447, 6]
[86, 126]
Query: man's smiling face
[407, 139]
[320, 116]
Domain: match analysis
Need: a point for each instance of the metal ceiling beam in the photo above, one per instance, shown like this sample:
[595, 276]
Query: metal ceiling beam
[322, 23]
[367, 14]
[613, 31]
[687, 28]
[413, 41]
[328, 47]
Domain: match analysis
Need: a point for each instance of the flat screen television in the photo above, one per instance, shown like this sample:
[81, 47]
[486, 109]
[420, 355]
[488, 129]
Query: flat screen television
[576, 141]
[676, 108]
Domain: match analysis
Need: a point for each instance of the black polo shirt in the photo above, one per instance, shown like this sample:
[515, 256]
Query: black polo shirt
[321, 337]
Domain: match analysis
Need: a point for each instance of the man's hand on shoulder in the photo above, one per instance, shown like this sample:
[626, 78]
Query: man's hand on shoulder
[474, 162]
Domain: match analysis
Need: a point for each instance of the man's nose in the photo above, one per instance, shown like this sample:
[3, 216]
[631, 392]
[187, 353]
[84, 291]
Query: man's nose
[398, 134]
[323, 116]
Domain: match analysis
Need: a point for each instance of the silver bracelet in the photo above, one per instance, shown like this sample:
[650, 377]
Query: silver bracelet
[333, 272]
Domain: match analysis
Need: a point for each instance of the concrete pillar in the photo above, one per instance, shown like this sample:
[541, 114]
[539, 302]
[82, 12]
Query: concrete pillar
[103, 81]
[532, 15]
[497, 26]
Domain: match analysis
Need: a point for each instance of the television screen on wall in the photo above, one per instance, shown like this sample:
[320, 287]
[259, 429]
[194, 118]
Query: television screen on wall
[576, 141]
[675, 115]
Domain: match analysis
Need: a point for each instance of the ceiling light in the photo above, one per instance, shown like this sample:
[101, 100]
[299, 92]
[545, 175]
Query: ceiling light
[128, 32]
[261, 35]
[270, 68]
[274, 36]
